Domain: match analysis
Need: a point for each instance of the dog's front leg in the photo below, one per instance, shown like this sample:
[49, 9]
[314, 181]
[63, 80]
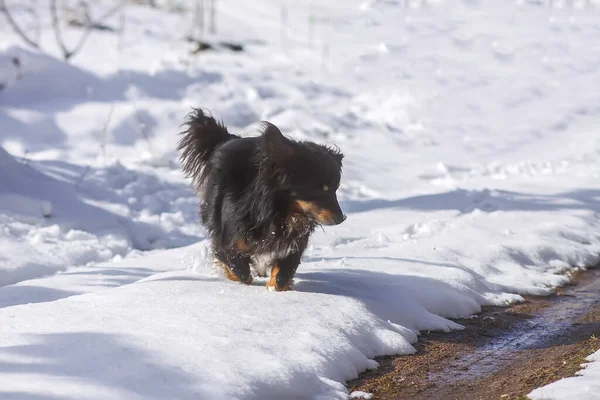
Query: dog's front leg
[236, 266]
[282, 272]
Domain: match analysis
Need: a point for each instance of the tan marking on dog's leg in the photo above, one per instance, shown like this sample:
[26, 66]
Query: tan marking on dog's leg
[272, 285]
[273, 281]
[231, 276]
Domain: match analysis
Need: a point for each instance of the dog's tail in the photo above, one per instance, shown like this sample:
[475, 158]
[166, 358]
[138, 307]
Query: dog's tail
[202, 136]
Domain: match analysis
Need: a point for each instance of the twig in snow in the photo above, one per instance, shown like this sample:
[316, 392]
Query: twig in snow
[34, 11]
[213, 16]
[89, 26]
[122, 22]
[198, 22]
[35, 43]
[143, 128]
[26, 160]
[17, 63]
[26, 157]
[105, 133]
[82, 176]
[15, 26]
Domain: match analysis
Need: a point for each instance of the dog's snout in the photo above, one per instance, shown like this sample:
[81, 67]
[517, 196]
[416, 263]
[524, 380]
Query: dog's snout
[339, 218]
[327, 217]
[323, 214]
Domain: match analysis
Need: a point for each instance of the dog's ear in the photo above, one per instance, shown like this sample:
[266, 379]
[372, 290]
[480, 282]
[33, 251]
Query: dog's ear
[338, 157]
[336, 154]
[278, 148]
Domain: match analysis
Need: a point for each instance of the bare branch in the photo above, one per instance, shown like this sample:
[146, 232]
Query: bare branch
[142, 127]
[213, 25]
[38, 21]
[13, 23]
[90, 26]
[86, 32]
[105, 132]
[56, 29]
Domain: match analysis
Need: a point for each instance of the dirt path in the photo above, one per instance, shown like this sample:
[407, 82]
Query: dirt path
[503, 353]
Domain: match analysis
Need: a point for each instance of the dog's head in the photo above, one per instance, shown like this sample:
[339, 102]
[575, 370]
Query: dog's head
[308, 175]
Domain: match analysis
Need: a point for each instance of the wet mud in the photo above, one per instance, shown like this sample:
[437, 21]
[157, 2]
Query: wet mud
[503, 353]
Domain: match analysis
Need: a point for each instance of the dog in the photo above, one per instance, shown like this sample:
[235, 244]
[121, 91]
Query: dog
[261, 197]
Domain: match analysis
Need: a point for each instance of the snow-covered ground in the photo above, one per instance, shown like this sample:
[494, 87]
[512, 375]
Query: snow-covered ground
[471, 177]
[584, 386]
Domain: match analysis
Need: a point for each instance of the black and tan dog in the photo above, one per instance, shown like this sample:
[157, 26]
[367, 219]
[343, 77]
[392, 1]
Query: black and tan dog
[262, 197]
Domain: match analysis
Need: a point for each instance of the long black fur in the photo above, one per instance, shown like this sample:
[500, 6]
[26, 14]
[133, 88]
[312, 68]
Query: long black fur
[262, 196]
[202, 136]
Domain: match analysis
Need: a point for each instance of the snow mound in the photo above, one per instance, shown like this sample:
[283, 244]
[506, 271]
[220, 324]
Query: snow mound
[50, 222]
[584, 386]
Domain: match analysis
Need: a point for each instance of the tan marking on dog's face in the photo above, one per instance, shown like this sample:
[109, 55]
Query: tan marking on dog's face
[321, 215]
[305, 206]
[325, 188]
[325, 216]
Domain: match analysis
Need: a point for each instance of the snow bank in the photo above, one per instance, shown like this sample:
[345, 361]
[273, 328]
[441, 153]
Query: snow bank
[584, 386]
[203, 339]
[52, 222]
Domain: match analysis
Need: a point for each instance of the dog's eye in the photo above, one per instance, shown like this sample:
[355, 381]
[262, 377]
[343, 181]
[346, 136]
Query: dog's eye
[325, 188]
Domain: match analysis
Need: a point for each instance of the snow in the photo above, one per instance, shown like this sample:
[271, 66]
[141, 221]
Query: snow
[471, 178]
[584, 386]
[358, 394]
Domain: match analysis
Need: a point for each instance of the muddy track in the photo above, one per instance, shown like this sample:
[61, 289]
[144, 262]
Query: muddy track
[503, 353]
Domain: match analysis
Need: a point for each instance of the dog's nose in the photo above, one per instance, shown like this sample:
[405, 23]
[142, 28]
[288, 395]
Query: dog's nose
[339, 218]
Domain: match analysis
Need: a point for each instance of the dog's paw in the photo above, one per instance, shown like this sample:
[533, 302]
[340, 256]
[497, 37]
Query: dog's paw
[288, 287]
[229, 274]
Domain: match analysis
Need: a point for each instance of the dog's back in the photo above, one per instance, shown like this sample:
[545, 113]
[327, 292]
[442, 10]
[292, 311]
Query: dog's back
[234, 168]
